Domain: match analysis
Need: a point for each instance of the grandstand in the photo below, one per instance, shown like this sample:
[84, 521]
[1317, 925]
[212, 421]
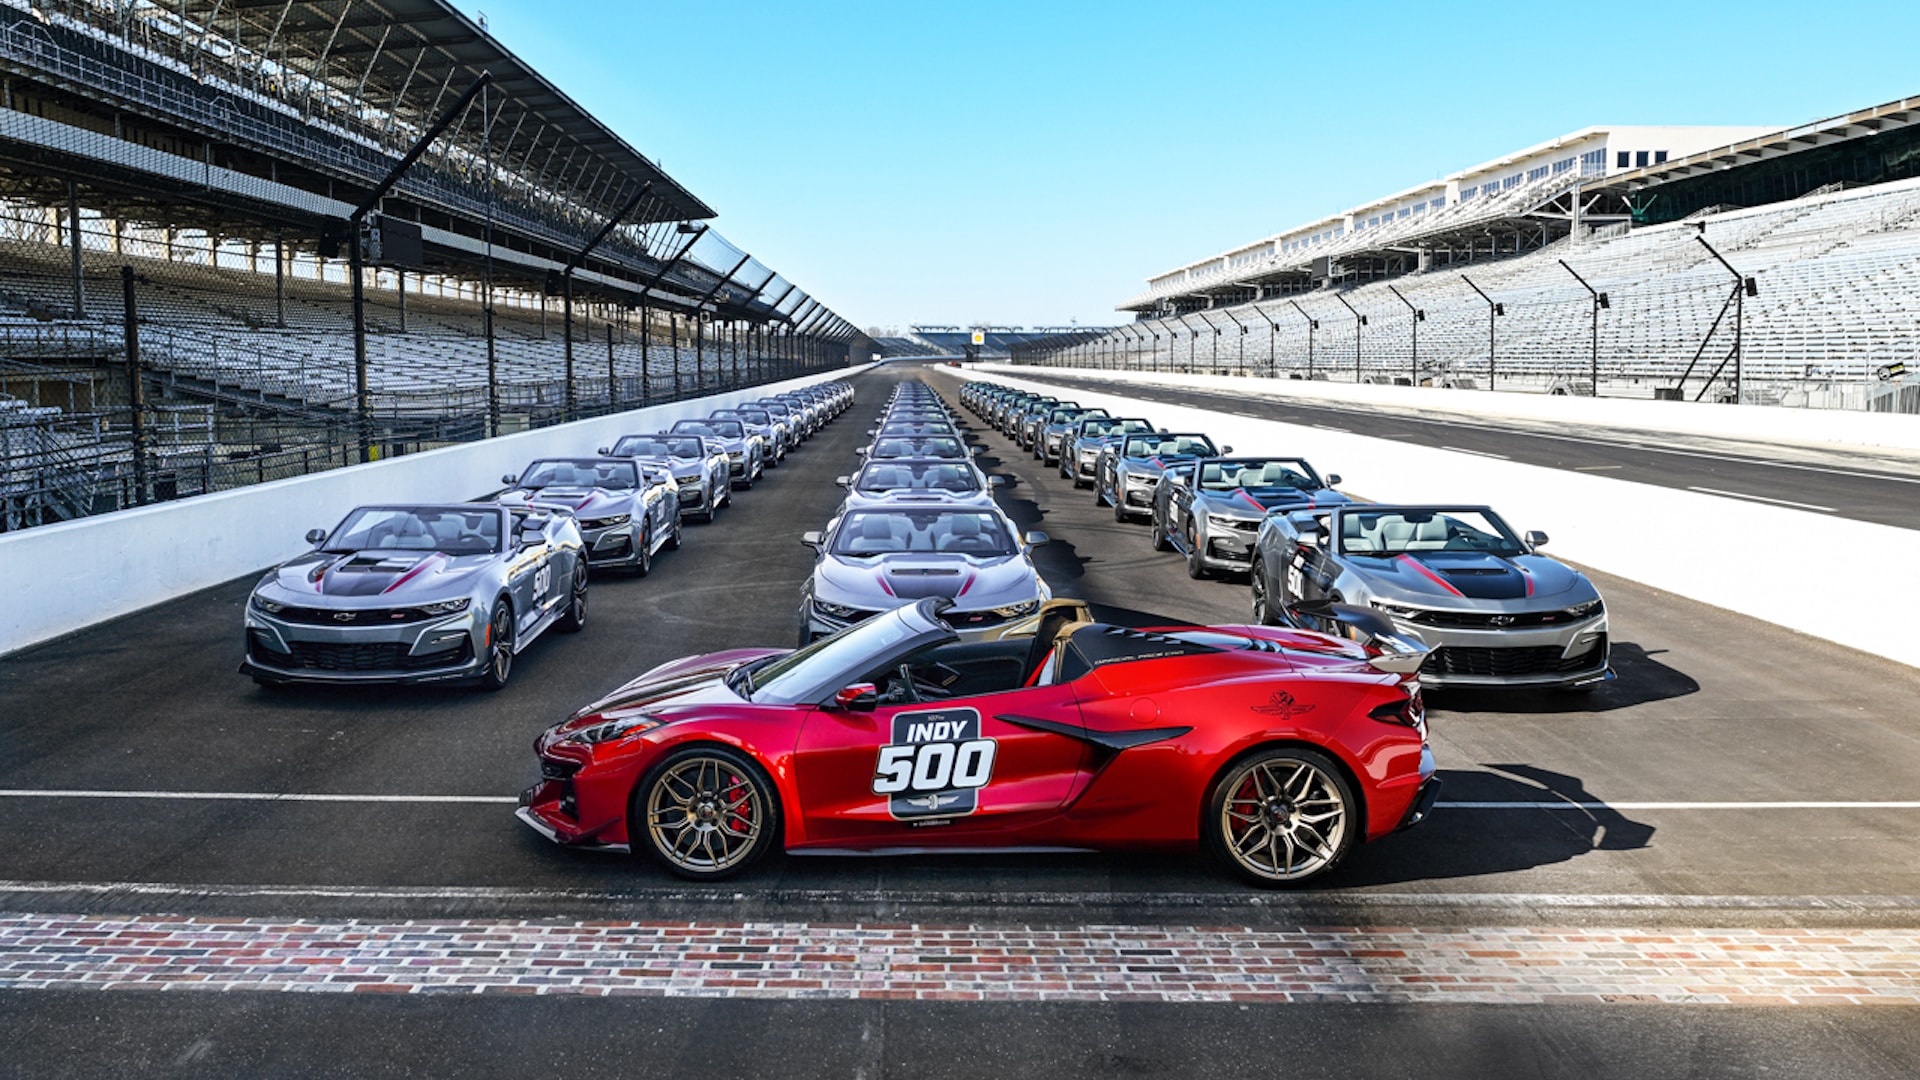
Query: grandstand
[999, 341]
[526, 267]
[1593, 267]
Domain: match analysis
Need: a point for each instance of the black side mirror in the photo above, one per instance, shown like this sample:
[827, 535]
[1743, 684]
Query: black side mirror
[315, 536]
[1536, 538]
[510, 479]
[1333, 479]
[604, 451]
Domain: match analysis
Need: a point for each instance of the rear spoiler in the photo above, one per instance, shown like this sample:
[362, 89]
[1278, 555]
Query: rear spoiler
[1397, 653]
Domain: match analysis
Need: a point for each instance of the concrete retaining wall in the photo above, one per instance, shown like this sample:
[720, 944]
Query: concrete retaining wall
[1810, 427]
[1772, 563]
[56, 579]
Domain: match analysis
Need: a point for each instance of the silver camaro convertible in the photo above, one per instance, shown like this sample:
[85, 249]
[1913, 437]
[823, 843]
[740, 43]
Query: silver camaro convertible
[1491, 608]
[700, 469]
[411, 594]
[627, 510]
[875, 559]
[1210, 510]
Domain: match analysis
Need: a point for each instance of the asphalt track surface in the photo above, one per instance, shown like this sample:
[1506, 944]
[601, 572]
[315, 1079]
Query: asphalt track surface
[1863, 484]
[1710, 708]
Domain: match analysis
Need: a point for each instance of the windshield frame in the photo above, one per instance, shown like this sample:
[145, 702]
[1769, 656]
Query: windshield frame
[327, 547]
[1317, 482]
[639, 478]
[1512, 547]
[1126, 444]
[811, 675]
[1001, 530]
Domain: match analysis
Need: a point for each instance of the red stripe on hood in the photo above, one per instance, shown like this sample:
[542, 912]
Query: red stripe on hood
[968, 584]
[1257, 504]
[432, 560]
[1430, 575]
[881, 577]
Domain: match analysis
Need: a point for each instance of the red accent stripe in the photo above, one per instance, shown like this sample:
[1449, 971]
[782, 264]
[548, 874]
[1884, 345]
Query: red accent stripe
[1430, 575]
[968, 584]
[411, 574]
[1257, 505]
[881, 576]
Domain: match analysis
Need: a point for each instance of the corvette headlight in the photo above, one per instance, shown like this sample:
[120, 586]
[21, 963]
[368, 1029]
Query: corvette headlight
[1014, 611]
[445, 607]
[261, 603]
[616, 728]
[838, 611]
[1591, 607]
[605, 522]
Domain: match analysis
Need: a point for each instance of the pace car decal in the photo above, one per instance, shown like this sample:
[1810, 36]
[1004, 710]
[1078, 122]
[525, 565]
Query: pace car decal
[935, 764]
[1285, 706]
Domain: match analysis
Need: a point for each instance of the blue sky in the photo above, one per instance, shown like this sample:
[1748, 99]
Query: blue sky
[1032, 163]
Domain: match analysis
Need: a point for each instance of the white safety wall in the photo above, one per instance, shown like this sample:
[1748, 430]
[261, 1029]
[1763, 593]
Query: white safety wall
[56, 579]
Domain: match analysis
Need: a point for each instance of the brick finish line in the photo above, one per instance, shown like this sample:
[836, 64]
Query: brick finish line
[1095, 963]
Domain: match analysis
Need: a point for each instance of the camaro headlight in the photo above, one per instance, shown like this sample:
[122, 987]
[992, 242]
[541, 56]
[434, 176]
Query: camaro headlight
[617, 728]
[1591, 607]
[1136, 480]
[690, 478]
[1224, 521]
[1014, 611]
[736, 455]
[1399, 610]
[605, 522]
[838, 611]
[445, 607]
[261, 603]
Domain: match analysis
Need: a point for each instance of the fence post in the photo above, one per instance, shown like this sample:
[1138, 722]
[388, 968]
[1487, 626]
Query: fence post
[136, 387]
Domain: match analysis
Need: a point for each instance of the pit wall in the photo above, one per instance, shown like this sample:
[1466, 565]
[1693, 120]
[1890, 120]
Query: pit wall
[56, 579]
[1741, 556]
[1807, 427]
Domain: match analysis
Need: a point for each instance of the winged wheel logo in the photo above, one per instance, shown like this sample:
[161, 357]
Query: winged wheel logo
[1284, 705]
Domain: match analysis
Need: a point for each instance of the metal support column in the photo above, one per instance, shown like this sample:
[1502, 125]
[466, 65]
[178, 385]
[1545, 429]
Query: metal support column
[1419, 316]
[136, 387]
[1359, 321]
[73, 241]
[1312, 325]
[279, 281]
[1494, 311]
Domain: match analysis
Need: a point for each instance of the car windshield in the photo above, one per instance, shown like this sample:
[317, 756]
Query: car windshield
[726, 429]
[865, 533]
[754, 416]
[1067, 416]
[917, 476]
[1109, 426]
[1169, 446]
[811, 673]
[696, 427]
[1268, 475]
[937, 446]
[659, 446]
[454, 531]
[1392, 532]
[590, 472]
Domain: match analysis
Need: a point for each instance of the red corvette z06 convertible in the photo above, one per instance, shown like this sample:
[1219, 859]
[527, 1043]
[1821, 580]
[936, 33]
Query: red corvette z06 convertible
[1278, 749]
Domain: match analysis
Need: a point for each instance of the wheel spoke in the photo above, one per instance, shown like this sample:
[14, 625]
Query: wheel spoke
[1304, 776]
[1316, 842]
[669, 784]
[1292, 850]
[1248, 844]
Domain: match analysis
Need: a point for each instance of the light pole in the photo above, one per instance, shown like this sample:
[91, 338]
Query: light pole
[1599, 301]
[1228, 312]
[1312, 325]
[1419, 316]
[1743, 286]
[1359, 321]
[1273, 338]
[1495, 309]
[1216, 339]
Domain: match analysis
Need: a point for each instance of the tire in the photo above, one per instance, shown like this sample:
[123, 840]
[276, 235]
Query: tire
[673, 539]
[1196, 566]
[1282, 816]
[698, 797]
[1119, 509]
[499, 647]
[1159, 531]
[643, 565]
[575, 619]
[1263, 612]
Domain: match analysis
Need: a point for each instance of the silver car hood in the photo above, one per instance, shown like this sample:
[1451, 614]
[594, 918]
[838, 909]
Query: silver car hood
[586, 502]
[890, 580]
[1252, 504]
[1472, 579]
[398, 577]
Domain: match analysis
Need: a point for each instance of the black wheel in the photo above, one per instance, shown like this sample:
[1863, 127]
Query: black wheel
[1263, 610]
[575, 619]
[1119, 508]
[643, 565]
[1160, 542]
[499, 647]
[1196, 567]
[673, 538]
[1282, 816]
[705, 812]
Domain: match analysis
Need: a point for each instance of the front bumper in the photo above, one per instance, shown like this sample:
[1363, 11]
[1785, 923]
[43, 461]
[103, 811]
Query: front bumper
[543, 809]
[438, 650]
[1227, 548]
[616, 545]
[1555, 657]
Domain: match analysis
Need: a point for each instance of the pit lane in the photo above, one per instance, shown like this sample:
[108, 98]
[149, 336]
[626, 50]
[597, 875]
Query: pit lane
[1710, 707]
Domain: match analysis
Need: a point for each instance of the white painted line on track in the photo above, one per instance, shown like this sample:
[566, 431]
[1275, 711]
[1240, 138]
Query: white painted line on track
[512, 800]
[1330, 427]
[1595, 468]
[1762, 498]
[952, 897]
[1476, 453]
[255, 796]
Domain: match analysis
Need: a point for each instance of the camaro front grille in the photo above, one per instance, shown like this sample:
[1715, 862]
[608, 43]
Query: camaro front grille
[367, 656]
[1483, 620]
[361, 617]
[1533, 660]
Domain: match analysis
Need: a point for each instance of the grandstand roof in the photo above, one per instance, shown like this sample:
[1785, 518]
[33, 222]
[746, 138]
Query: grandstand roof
[411, 57]
[1858, 124]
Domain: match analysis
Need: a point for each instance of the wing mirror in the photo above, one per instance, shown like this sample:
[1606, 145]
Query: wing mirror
[603, 451]
[843, 481]
[1226, 449]
[1036, 539]
[510, 479]
[532, 536]
[811, 539]
[857, 697]
[863, 451]
[315, 536]
[1333, 479]
[996, 480]
[1536, 538]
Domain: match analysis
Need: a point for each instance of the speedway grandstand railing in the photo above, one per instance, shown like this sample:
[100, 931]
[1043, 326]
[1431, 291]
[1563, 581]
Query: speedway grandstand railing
[1832, 317]
[217, 150]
